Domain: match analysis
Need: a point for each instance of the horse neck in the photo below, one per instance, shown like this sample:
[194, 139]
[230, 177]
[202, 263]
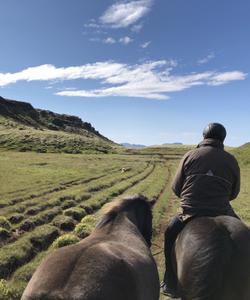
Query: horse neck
[124, 224]
[138, 225]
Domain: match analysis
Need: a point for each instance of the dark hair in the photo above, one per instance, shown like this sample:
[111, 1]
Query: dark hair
[142, 208]
[215, 131]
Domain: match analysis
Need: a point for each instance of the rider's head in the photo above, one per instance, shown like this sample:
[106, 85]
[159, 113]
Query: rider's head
[215, 131]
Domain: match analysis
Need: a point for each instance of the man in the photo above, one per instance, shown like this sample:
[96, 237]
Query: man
[207, 179]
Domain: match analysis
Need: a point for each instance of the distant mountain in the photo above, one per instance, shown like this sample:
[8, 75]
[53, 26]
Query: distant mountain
[135, 146]
[24, 127]
[176, 143]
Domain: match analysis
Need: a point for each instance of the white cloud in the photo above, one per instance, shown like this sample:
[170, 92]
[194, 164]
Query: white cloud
[109, 40]
[125, 40]
[151, 79]
[146, 44]
[125, 14]
[206, 59]
[226, 77]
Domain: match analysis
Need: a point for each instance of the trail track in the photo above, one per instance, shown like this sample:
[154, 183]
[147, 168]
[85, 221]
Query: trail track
[169, 204]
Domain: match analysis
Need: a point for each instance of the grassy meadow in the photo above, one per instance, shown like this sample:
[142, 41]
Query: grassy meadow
[48, 200]
[20, 137]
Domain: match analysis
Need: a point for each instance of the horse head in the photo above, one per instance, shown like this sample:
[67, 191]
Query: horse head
[137, 208]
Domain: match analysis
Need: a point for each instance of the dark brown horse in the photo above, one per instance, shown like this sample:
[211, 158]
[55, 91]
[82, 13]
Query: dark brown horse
[212, 259]
[113, 263]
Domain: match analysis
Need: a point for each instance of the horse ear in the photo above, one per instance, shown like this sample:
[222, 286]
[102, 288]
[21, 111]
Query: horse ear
[152, 202]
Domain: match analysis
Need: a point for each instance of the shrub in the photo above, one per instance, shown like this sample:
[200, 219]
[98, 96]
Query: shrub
[33, 210]
[64, 223]
[65, 240]
[85, 227]
[14, 255]
[4, 223]
[68, 203]
[27, 225]
[76, 213]
[8, 292]
[5, 292]
[83, 197]
[20, 252]
[42, 237]
[4, 234]
[88, 209]
[16, 218]
[89, 219]
[39, 219]
[83, 230]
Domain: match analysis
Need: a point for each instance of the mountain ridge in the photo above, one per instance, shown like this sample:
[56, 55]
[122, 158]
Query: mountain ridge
[25, 113]
[33, 129]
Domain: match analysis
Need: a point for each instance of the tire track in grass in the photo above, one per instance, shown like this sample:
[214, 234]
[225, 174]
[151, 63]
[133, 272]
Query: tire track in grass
[164, 210]
[46, 212]
[27, 269]
[60, 187]
[108, 195]
[154, 184]
[32, 201]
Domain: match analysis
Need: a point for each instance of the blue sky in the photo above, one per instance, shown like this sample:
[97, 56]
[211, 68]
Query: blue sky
[145, 71]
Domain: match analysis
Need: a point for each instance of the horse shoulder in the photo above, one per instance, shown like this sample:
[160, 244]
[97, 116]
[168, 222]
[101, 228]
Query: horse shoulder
[52, 273]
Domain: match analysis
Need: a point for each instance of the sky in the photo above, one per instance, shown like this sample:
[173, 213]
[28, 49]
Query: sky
[140, 71]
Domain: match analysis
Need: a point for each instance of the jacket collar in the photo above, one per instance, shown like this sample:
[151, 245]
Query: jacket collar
[212, 143]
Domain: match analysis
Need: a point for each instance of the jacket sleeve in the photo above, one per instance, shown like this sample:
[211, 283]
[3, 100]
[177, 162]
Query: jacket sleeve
[179, 178]
[236, 184]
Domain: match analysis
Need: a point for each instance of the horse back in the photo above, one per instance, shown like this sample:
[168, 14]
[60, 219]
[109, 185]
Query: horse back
[93, 269]
[212, 259]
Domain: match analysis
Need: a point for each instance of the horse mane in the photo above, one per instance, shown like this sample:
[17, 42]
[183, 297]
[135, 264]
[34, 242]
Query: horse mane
[114, 208]
[212, 256]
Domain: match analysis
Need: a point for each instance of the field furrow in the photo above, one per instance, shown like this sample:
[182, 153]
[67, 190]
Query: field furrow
[52, 201]
[115, 187]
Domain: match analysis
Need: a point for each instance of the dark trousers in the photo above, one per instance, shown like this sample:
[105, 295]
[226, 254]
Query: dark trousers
[174, 228]
[171, 233]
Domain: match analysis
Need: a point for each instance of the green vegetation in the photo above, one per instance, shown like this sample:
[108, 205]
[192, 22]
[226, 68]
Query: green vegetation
[64, 223]
[24, 128]
[65, 240]
[76, 213]
[4, 223]
[25, 248]
[49, 200]
[242, 153]
[85, 227]
[241, 204]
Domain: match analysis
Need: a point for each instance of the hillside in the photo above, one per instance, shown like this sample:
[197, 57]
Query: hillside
[24, 128]
[242, 154]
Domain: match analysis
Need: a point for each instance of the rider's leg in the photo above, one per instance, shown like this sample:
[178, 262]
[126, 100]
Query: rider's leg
[171, 233]
[231, 212]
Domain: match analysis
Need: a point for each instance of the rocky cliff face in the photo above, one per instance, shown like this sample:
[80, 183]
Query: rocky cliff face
[26, 114]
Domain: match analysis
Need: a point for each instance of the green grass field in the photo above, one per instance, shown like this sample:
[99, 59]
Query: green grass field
[51, 200]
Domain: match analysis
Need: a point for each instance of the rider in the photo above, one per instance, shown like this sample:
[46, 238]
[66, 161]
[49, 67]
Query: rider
[207, 179]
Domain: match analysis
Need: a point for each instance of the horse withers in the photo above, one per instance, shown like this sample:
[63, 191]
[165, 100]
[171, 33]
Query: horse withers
[212, 259]
[113, 263]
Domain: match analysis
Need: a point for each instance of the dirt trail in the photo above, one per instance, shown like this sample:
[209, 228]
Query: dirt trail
[169, 211]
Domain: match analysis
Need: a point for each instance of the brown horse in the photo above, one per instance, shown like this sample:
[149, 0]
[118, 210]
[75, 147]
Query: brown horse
[212, 259]
[113, 263]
